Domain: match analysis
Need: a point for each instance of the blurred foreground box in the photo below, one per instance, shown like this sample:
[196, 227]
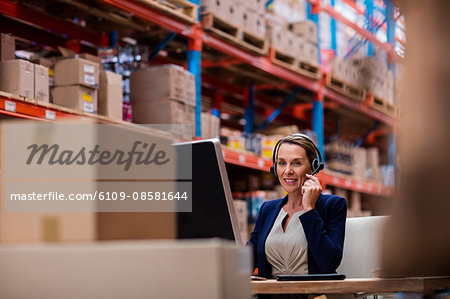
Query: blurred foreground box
[210, 268]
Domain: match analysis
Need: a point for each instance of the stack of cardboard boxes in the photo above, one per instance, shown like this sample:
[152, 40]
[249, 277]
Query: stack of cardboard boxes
[305, 45]
[164, 95]
[374, 76]
[248, 15]
[240, 206]
[368, 73]
[297, 39]
[339, 156]
[21, 77]
[362, 163]
[345, 71]
[76, 84]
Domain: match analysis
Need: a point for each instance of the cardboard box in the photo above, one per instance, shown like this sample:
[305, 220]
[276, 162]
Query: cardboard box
[76, 71]
[241, 214]
[41, 85]
[310, 52]
[206, 125]
[76, 97]
[7, 47]
[299, 48]
[306, 29]
[110, 97]
[359, 162]
[190, 90]
[92, 58]
[275, 36]
[165, 112]
[158, 112]
[257, 6]
[189, 117]
[190, 269]
[214, 128]
[217, 7]
[158, 83]
[288, 42]
[17, 77]
[255, 23]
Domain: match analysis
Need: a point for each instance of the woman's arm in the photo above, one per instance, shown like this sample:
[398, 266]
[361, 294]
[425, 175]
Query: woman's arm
[326, 241]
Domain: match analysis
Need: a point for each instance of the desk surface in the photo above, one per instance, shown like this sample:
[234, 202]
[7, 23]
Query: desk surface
[352, 285]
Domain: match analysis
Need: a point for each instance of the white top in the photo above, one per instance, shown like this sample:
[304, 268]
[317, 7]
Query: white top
[287, 251]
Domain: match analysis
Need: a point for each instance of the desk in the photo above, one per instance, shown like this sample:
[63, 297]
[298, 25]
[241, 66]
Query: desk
[353, 285]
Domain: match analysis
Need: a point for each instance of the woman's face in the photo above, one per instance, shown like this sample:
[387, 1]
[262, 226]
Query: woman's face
[292, 167]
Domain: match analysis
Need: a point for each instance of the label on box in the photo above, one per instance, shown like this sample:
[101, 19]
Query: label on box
[89, 68]
[10, 106]
[86, 97]
[49, 114]
[88, 107]
[89, 79]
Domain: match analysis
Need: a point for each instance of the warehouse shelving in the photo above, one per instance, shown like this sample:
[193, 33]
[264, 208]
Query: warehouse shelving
[199, 39]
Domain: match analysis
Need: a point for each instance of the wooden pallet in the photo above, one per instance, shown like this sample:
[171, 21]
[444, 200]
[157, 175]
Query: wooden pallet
[180, 9]
[234, 34]
[383, 105]
[311, 70]
[346, 89]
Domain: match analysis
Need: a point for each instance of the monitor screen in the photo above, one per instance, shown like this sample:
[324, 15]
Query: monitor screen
[213, 213]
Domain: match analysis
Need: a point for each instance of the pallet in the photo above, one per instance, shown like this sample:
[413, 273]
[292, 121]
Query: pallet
[180, 9]
[383, 106]
[346, 89]
[311, 70]
[234, 34]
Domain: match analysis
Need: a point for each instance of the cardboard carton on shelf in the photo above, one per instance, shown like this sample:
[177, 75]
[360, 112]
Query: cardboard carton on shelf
[158, 83]
[162, 112]
[76, 71]
[17, 77]
[76, 97]
[41, 85]
[92, 58]
[189, 117]
[306, 29]
[233, 13]
[206, 125]
[241, 215]
[110, 95]
[256, 24]
[218, 8]
[190, 89]
[274, 35]
[257, 6]
[309, 52]
[7, 47]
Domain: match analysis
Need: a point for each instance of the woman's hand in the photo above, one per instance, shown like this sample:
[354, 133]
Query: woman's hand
[311, 190]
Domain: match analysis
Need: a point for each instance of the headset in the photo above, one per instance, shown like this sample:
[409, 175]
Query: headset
[316, 165]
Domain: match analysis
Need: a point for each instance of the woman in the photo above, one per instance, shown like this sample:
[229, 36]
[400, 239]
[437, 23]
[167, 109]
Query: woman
[302, 233]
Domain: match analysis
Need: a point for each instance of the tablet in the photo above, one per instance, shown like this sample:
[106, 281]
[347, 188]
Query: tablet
[309, 277]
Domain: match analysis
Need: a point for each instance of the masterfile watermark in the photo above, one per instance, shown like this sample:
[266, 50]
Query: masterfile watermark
[79, 167]
[52, 155]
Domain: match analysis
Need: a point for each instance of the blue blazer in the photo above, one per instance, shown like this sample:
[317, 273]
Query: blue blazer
[324, 228]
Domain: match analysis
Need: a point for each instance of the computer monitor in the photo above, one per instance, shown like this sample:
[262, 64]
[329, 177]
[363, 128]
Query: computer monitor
[213, 213]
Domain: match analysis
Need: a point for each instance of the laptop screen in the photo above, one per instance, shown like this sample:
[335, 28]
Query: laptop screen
[213, 213]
